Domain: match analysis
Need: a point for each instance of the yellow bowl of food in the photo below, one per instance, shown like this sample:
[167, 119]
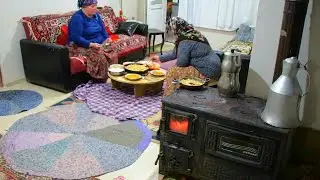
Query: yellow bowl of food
[133, 77]
[157, 72]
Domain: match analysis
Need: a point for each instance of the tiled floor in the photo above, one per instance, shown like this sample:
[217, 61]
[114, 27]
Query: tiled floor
[142, 169]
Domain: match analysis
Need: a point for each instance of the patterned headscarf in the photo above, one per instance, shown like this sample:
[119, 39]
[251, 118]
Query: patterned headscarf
[83, 3]
[185, 31]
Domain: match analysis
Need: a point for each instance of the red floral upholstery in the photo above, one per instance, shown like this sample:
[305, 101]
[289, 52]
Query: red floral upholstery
[109, 18]
[47, 28]
[127, 44]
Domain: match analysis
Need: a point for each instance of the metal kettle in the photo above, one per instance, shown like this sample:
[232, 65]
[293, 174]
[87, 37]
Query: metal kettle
[283, 102]
[228, 84]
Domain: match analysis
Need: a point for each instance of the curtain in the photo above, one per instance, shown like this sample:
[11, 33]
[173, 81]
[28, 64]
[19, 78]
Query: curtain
[219, 14]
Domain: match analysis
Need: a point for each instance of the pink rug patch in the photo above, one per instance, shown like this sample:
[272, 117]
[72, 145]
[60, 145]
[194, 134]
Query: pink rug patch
[61, 119]
[32, 140]
[71, 165]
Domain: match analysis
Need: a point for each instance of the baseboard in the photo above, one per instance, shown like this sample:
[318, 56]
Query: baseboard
[14, 82]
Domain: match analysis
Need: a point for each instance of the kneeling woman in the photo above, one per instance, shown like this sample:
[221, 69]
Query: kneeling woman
[87, 34]
[195, 57]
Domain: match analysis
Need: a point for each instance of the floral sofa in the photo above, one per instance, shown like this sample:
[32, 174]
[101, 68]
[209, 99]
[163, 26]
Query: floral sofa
[51, 64]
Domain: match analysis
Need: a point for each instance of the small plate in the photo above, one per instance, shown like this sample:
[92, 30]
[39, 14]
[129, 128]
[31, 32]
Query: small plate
[127, 63]
[158, 73]
[143, 62]
[133, 77]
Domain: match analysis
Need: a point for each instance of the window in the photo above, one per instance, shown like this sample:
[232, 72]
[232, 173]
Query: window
[219, 14]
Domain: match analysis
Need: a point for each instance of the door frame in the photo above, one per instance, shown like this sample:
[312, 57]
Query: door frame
[1, 78]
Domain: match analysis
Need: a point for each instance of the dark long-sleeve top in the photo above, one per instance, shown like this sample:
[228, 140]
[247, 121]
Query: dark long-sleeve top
[196, 54]
[84, 30]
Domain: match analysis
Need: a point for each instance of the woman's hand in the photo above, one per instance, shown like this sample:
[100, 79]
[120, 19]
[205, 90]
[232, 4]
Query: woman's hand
[95, 45]
[155, 58]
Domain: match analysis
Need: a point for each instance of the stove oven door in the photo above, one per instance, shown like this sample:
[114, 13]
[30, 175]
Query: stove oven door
[241, 147]
[175, 159]
[179, 123]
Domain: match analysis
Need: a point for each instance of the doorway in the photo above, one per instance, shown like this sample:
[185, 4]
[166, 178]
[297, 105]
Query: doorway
[156, 16]
[172, 11]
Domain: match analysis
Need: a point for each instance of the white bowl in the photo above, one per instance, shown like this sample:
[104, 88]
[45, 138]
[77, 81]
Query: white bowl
[116, 66]
[116, 71]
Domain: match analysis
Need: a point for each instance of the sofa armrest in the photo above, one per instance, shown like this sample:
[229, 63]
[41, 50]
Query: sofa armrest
[142, 30]
[46, 64]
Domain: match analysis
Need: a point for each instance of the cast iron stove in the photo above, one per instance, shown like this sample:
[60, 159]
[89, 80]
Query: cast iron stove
[206, 136]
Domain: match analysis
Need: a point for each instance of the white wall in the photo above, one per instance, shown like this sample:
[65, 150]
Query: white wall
[312, 105]
[216, 38]
[265, 47]
[11, 30]
[130, 8]
[304, 57]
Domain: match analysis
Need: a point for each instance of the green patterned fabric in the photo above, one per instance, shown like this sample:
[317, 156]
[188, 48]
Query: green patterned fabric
[243, 47]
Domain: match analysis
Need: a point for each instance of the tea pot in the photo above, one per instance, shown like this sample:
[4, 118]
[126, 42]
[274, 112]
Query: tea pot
[229, 85]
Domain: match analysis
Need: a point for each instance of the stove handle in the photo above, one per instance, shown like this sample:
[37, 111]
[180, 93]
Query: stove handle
[158, 158]
[192, 131]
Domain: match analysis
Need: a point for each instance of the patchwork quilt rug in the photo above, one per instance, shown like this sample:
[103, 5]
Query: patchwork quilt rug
[71, 142]
[118, 104]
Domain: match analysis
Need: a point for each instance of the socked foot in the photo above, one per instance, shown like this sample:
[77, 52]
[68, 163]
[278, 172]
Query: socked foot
[99, 80]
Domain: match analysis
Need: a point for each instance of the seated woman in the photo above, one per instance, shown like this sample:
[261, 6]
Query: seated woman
[195, 58]
[87, 37]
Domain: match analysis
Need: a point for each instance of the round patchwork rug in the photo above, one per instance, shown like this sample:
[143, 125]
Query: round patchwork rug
[17, 101]
[71, 142]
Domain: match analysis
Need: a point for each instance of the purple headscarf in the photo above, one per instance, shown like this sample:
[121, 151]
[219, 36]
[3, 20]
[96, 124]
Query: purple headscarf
[82, 3]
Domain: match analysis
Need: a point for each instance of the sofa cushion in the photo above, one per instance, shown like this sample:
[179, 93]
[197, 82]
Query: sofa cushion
[114, 37]
[78, 64]
[245, 33]
[127, 44]
[127, 28]
[109, 18]
[45, 28]
[62, 39]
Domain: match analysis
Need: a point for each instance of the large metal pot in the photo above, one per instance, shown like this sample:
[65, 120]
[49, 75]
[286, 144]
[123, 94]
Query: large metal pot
[190, 86]
[134, 71]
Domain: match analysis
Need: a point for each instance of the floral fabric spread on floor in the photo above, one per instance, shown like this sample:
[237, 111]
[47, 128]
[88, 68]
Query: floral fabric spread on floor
[118, 104]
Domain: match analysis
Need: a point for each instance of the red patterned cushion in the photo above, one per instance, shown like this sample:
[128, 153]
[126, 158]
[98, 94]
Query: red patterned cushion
[78, 64]
[108, 31]
[127, 44]
[45, 28]
[63, 37]
[109, 18]
[114, 37]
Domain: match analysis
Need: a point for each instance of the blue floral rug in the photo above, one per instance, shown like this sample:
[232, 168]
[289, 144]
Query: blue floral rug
[17, 101]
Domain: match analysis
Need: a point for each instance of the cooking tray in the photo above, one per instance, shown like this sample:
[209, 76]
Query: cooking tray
[200, 83]
[137, 72]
